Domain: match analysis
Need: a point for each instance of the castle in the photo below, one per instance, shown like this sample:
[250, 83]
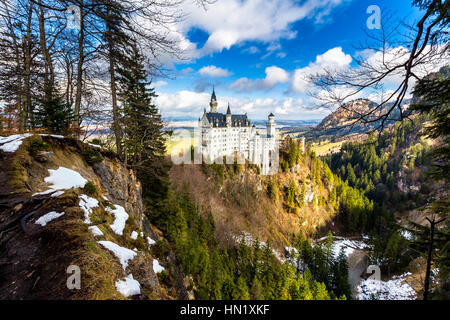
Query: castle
[234, 137]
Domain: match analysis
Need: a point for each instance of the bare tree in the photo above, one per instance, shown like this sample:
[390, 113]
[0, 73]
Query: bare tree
[397, 50]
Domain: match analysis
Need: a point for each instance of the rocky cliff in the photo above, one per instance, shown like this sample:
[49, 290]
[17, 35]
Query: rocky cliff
[72, 224]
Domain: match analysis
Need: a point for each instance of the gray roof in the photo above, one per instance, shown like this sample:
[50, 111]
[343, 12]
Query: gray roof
[220, 120]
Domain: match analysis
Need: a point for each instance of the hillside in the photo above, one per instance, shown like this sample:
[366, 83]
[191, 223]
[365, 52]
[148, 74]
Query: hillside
[344, 120]
[66, 203]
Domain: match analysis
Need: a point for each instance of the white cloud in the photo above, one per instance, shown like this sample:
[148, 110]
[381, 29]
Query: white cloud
[251, 50]
[191, 103]
[230, 22]
[274, 75]
[334, 59]
[373, 64]
[243, 85]
[159, 84]
[215, 72]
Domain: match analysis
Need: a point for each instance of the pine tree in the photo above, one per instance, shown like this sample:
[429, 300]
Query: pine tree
[52, 113]
[142, 138]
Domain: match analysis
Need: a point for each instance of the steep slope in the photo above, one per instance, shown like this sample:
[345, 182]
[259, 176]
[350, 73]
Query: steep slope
[300, 198]
[64, 203]
[343, 120]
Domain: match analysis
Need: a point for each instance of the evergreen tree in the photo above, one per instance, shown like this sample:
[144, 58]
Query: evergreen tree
[52, 112]
[142, 138]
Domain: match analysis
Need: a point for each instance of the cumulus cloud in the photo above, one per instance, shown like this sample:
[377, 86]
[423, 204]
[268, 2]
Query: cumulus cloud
[371, 64]
[274, 75]
[214, 72]
[334, 59]
[230, 22]
[193, 103]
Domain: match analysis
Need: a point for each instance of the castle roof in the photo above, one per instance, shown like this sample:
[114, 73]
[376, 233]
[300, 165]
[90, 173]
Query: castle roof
[219, 120]
[213, 96]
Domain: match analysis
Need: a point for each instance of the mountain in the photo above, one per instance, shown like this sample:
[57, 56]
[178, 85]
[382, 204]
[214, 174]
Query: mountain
[343, 121]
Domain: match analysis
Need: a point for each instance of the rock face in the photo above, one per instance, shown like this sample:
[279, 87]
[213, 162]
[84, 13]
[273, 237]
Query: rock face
[34, 258]
[122, 187]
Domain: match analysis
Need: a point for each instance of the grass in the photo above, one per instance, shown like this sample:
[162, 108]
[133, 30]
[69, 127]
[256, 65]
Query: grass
[326, 147]
[178, 144]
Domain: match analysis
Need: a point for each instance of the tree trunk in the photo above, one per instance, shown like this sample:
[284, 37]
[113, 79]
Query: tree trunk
[49, 76]
[79, 87]
[430, 251]
[27, 76]
[116, 126]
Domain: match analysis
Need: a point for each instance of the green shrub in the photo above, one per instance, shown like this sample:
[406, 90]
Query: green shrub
[90, 188]
[92, 156]
[159, 249]
[37, 145]
[97, 142]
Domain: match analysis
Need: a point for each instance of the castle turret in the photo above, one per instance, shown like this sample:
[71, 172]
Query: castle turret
[228, 116]
[271, 126]
[213, 103]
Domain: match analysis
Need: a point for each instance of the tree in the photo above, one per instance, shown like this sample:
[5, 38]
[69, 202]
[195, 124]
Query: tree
[433, 94]
[394, 55]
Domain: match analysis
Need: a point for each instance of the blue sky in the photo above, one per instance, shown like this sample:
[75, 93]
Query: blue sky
[256, 53]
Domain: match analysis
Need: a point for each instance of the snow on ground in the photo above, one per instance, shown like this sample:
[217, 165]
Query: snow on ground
[52, 135]
[349, 246]
[96, 231]
[121, 217]
[87, 204]
[157, 267]
[46, 218]
[406, 234]
[63, 179]
[128, 287]
[134, 235]
[123, 254]
[150, 241]
[12, 143]
[395, 289]
[249, 241]
[57, 194]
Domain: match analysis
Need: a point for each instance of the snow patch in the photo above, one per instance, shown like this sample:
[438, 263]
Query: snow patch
[46, 218]
[57, 194]
[395, 289]
[63, 179]
[96, 231]
[157, 268]
[12, 143]
[87, 204]
[128, 287]
[134, 235]
[52, 135]
[349, 246]
[123, 254]
[121, 217]
[406, 234]
[150, 241]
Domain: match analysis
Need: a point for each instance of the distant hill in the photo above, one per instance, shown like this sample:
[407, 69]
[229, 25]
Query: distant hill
[343, 120]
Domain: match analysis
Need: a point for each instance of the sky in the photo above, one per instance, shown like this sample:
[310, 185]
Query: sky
[256, 53]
